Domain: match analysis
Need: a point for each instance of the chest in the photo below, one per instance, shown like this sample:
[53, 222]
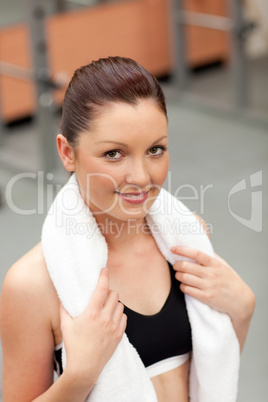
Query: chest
[143, 283]
[157, 320]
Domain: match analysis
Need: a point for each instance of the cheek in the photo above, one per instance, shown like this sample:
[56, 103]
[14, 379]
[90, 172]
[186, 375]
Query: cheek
[99, 192]
[99, 183]
[97, 177]
[160, 172]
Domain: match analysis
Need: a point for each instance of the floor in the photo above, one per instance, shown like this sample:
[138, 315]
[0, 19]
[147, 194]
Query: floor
[210, 154]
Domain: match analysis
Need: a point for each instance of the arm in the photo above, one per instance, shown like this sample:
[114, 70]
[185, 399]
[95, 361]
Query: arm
[218, 286]
[28, 343]
[242, 304]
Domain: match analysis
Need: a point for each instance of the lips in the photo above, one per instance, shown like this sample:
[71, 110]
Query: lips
[133, 198]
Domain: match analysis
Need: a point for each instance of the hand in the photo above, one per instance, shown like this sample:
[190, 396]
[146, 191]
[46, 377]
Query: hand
[212, 281]
[91, 338]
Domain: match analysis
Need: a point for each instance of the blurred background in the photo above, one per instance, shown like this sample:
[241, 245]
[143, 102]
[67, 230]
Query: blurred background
[211, 58]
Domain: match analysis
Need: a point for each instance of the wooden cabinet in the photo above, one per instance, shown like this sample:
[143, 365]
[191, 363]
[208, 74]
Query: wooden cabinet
[139, 29]
[206, 45]
[17, 97]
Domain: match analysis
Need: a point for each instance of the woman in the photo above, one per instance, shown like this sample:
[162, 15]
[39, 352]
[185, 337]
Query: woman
[114, 137]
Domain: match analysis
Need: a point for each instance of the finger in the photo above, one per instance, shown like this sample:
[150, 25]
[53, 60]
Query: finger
[65, 317]
[111, 302]
[194, 254]
[190, 268]
[123, 323]
[193, 292]
[218, 258]
[225, 264]
[189, 280]
[118, 313]
[63, 313]
[101, 292]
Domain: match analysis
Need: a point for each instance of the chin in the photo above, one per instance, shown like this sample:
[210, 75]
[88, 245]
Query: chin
[128, 217]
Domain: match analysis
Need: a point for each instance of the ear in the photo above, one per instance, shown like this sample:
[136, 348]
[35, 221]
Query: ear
[66, 153]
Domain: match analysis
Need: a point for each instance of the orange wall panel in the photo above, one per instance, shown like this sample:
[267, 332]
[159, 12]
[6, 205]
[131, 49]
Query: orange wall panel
[17, 97]
[120, 29]
[159, 39]
[139, 29]
[206, 45]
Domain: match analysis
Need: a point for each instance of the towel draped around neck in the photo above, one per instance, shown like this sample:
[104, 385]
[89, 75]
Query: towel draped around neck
[75, 251]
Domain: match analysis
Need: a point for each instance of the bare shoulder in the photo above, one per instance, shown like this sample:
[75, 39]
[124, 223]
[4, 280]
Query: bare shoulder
[203, 223]
[29, 276]
[29, 319]
[28, 287]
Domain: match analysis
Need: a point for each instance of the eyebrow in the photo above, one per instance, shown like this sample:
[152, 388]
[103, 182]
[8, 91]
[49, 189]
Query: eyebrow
[125, 145]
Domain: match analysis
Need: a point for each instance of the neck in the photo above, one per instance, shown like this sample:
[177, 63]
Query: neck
[119, 234]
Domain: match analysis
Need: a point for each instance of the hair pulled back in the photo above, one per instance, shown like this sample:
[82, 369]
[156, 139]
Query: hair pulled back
[102, 83]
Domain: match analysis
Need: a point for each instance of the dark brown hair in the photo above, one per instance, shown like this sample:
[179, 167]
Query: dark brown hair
[100, 84]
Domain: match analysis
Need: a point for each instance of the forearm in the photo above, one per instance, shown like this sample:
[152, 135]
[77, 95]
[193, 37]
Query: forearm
[68, 389]
[241, 316]
[214, 282]
[238, 300]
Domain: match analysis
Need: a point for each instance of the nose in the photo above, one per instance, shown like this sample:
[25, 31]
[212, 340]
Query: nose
[138, 174]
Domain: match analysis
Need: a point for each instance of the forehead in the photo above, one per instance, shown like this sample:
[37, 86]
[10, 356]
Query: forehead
[129, 122]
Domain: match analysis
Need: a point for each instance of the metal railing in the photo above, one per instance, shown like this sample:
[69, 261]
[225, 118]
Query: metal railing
[238, 28]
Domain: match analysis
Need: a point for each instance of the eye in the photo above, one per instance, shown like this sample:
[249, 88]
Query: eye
[157, 151]
[114, 154]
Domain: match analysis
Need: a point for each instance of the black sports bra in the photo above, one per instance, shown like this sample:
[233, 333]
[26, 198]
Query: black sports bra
[165, 334]
[163, 340]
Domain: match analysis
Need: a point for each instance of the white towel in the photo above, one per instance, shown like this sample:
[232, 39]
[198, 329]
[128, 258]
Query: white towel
[75, 251]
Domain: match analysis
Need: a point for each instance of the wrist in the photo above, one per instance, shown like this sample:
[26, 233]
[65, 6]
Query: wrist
[245, 309]
[83, 381]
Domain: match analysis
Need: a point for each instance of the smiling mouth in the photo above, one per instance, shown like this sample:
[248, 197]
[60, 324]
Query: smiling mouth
[135, 198]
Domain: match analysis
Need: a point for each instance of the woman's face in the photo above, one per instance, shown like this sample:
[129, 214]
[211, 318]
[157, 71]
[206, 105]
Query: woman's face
[122, 163]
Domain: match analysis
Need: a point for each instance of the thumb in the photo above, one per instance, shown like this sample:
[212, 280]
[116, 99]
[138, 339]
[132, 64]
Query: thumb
[65, 317]
[101, 291]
